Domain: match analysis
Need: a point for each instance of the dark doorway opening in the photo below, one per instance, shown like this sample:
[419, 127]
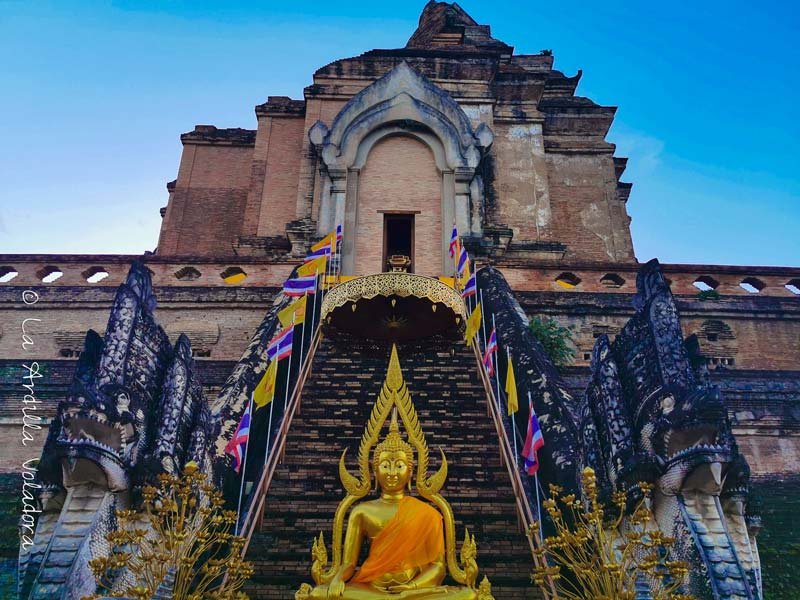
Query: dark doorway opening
[398, 241]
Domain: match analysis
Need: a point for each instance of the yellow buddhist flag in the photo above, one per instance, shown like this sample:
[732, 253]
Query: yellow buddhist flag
[473, 324]
[265, 390]
[462, 282]
[328, 240]
[317, 265]
[511, 388]
[294, 312]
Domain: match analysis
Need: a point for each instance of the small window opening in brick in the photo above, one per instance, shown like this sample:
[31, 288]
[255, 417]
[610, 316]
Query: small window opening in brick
[49, 274]
[187, 274]
[712, 337]
[233, 275]
[568, 280]
[793, 285]
[95, 274]
[706, 283]
[752, 284]
[7, 274]
[201, 353]
[587, 356]
[612, 280]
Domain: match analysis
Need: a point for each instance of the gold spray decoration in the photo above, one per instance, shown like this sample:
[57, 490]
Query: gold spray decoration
[394, 394]
[183, 532]
[605, 557]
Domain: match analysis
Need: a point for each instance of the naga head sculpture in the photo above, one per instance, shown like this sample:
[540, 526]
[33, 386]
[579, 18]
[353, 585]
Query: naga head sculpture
[100, 436]
[692, 440]
[680, 419]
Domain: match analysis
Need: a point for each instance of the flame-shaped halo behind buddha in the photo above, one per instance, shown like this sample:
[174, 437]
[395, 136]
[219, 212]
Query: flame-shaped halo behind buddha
[394, 394]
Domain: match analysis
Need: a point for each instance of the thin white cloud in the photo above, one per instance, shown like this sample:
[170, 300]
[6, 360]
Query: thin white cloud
[644, 152]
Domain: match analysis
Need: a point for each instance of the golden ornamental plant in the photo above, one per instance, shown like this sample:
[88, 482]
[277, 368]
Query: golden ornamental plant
[183, 532]
[595, 556]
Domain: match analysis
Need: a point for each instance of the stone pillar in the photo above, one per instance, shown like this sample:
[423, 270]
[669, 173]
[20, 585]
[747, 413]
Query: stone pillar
[463, 217]
[346, 201]
[448, 217]
[476, 204]
[326, 219]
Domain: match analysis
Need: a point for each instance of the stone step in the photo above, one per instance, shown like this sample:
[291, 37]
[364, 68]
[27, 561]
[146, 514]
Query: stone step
[335, 406]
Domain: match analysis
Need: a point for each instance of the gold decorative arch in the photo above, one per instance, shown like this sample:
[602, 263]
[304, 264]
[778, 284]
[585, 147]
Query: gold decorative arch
[393, 284]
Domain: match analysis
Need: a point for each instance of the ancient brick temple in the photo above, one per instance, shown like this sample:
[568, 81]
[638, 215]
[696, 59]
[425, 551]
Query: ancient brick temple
[397, 145]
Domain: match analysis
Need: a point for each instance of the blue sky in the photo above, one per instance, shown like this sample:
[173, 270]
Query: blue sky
[95, 95]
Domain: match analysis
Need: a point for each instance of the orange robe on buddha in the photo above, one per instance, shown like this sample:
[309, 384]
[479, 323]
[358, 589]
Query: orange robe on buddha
[414, 538]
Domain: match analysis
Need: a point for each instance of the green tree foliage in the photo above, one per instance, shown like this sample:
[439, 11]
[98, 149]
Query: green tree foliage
[557, 340]
[708, 295]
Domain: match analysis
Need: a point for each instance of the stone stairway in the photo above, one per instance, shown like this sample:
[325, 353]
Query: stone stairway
[335, 406]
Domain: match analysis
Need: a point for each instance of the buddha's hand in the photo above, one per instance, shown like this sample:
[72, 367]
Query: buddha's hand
[335, 588]
[402, 587]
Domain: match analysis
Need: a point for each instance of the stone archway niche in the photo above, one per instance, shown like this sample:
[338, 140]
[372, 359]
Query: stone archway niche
[400, 108]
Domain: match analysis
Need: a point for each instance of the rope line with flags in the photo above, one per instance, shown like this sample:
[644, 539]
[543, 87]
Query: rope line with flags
[281, 345]
[322, 259]
[473, 324]
[533, 441]
[237, 447]
[298, 286]
[490, 351]
[512, 403]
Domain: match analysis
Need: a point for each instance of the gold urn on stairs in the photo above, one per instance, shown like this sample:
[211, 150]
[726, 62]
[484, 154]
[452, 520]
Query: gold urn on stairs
[412, 542]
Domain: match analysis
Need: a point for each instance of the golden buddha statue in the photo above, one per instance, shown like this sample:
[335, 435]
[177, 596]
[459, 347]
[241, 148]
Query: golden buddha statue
[411, 542]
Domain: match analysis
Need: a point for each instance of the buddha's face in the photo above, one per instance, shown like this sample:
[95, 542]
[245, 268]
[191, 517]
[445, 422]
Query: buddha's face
[393, 471]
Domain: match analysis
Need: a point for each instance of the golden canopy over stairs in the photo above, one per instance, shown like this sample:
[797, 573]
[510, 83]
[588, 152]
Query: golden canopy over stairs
[335, 404]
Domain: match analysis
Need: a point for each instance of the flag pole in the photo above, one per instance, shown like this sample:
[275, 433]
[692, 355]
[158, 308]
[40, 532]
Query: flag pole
[321, 283]
[244, 463]
[314, 308]
[513, 419]
[288, 374]
[303, 336]
[339, 256]
[497, 368]
[536, 480]
[269, 425]
[483, 320]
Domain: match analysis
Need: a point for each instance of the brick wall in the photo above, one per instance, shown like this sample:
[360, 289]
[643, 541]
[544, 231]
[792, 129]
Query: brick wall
[582, 200]
[281, 171]
[400, 175]
[515, 184]
[205, 212]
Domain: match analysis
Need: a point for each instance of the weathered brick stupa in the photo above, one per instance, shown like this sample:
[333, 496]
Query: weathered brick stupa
[397, 146]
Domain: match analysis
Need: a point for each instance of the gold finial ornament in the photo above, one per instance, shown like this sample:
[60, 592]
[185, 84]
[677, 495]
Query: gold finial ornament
[393, 442]
[396, 566]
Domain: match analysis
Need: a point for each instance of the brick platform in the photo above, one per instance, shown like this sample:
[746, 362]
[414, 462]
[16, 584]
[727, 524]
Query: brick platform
[451, 404]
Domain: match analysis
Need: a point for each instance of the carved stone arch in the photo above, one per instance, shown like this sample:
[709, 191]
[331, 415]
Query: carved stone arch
[402, 101]
[404, 94]
[402, 108]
